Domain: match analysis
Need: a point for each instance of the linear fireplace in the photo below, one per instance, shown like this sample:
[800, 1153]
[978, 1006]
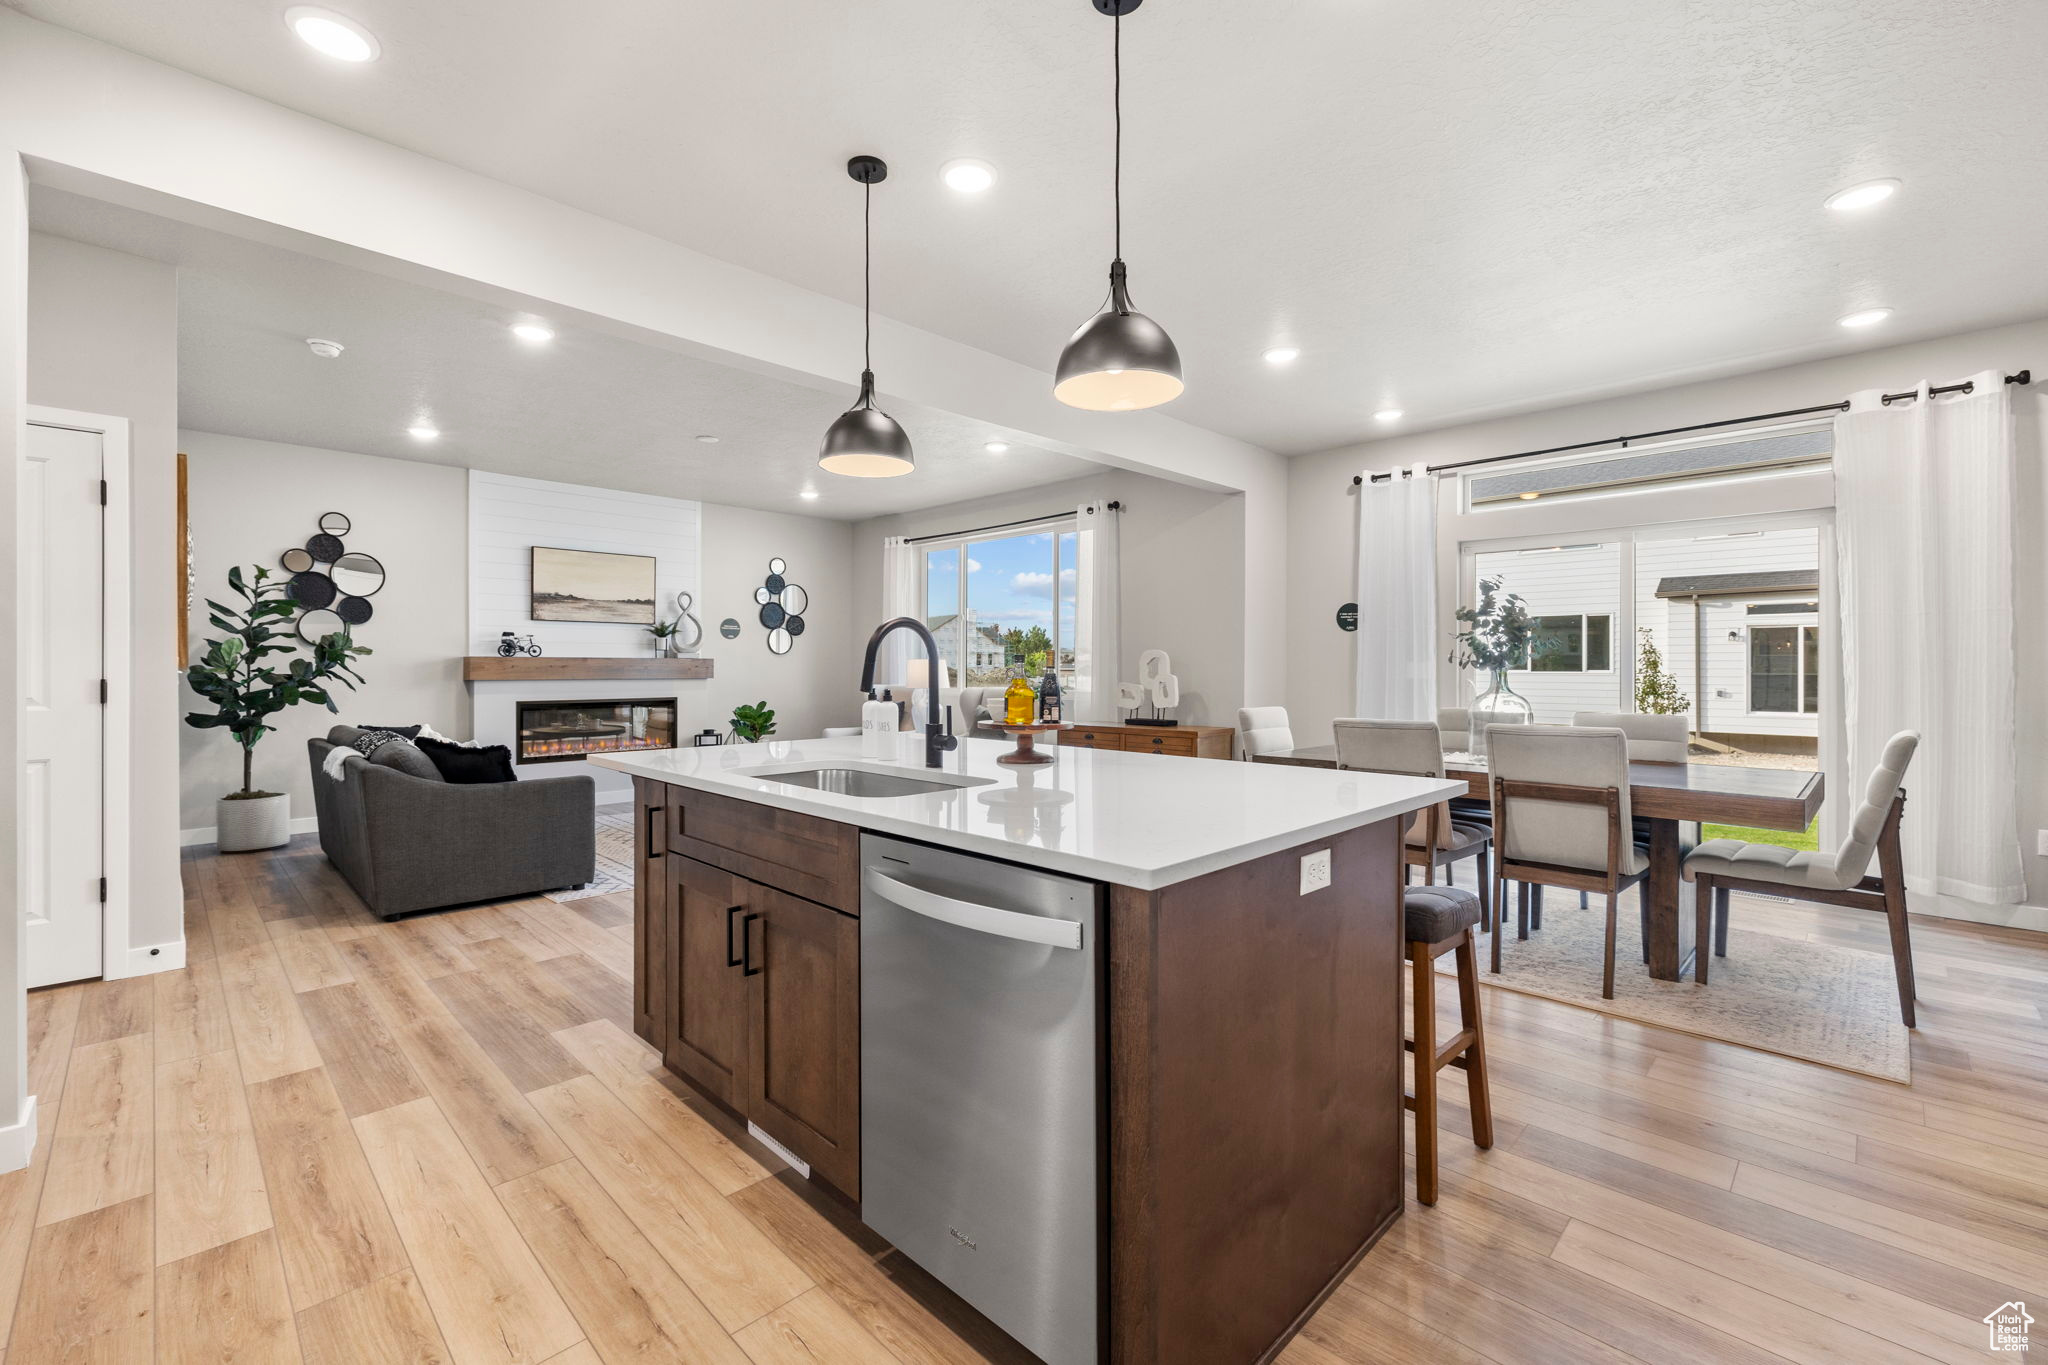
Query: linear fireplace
[566, 731]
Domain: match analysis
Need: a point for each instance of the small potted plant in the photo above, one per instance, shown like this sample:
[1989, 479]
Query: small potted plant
[666, 645]
[246, 691]
[752, 723]
[1498, 635]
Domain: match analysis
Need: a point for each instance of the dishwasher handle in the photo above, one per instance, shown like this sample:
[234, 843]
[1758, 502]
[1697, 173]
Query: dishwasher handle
[985, 919]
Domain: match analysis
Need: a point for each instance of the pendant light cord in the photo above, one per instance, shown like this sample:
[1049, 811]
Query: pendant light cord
[1116, 98]
[867, 277]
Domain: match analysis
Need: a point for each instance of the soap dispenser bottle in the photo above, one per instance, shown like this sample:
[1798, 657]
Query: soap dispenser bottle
[877, 727]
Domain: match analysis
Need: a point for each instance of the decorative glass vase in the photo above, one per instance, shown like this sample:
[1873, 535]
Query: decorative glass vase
[1499, 704]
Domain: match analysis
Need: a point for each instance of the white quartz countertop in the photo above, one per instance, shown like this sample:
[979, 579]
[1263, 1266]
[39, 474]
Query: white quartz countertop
[1136, 819]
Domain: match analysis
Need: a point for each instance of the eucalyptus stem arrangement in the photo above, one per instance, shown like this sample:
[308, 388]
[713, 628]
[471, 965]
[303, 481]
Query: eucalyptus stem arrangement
[1498, 631]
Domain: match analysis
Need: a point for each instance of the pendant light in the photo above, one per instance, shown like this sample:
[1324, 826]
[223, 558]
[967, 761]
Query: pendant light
[864, 441]
[1120, 360]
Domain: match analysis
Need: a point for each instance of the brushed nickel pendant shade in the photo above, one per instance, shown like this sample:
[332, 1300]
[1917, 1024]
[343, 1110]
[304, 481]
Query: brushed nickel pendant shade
[1119, 360]
[864, 442]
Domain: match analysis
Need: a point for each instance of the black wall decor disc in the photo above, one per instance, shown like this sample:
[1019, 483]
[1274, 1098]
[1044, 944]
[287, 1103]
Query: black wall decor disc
[775, 584]
[325, 548]
[729, 628]
[354, 610]
[793, 624]
[1116, 8]
[1347, 616]
[772, 615]
[312, 590]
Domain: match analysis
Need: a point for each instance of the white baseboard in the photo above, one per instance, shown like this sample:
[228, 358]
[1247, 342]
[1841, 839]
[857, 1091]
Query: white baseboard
[18, 1140]
[305, 824]
[159, 957]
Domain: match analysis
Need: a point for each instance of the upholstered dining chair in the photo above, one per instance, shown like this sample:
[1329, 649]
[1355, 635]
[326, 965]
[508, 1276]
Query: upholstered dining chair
[1651, 739]
[1414, 748]
[1455, 724]
[1722, 865]
[1561, 818]
[1262, 730]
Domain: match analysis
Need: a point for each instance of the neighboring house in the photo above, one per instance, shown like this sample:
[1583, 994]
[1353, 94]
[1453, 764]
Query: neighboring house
[984, 642]
[1751, 599]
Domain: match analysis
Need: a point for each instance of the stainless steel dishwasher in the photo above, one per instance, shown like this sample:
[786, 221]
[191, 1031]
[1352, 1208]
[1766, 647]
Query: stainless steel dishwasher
[981, 1126]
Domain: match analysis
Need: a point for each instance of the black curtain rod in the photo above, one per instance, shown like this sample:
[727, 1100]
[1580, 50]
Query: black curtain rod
[1000, 526]
[2023, 377]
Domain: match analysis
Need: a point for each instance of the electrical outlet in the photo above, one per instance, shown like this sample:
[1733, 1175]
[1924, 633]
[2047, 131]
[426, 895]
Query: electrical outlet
[2041, 842]
[1315, 870]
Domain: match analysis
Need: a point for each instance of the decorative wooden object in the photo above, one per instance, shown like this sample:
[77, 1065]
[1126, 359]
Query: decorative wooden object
[1024, 755]
[490, 668]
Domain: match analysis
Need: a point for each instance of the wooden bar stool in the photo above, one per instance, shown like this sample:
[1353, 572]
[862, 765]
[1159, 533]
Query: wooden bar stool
[1439, 921]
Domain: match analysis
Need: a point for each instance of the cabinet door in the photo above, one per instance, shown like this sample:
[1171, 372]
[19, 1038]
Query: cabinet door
[804, 1073]
[708, 1008]
[650, 916]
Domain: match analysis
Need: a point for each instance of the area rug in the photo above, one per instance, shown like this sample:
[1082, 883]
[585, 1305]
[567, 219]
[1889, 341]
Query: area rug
[1814, 1001]
[614, 856]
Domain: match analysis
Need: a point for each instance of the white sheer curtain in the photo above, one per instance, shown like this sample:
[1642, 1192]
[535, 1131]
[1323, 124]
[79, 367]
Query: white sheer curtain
[902, 585]
[1098, 623]
[1924, 493]
[1396, 643]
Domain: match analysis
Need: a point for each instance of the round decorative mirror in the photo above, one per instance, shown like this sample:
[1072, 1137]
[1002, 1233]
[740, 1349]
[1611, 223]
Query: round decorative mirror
[295, 560]
[354, 610]
[729, 628]
[772, 615]
[312, 590]
[777, 565]
[778, 642]
[315, 626]
[793, 599]
[357, 574]
[762, 595]
[336, 523]
[325, 548]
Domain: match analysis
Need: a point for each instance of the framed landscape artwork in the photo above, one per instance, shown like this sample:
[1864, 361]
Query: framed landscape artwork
[589, 585]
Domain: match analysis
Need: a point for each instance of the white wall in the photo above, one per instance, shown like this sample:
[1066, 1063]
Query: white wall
[1323, 516]
[1183, 575]
[817, 683]
[103, 339]
[249, 502]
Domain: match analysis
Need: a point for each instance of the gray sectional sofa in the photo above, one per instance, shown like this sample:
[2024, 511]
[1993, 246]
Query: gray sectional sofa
[406, 841]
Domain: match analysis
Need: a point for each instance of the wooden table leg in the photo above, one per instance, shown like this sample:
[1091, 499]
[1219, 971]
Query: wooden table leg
[1670, 932]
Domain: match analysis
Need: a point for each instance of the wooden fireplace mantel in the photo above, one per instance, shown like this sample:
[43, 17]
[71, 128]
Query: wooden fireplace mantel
[520, 668]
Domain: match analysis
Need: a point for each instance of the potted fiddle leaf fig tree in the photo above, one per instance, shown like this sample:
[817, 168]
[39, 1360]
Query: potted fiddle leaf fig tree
[245, 675]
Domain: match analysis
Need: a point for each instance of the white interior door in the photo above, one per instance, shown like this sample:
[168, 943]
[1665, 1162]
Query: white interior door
[62, 834]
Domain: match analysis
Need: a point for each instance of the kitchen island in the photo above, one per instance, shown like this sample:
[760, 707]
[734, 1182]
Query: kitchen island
[1237, 1145]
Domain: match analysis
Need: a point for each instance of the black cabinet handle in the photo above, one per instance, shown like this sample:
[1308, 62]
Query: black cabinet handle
[732, 954]
[653, 820]
[747, 946]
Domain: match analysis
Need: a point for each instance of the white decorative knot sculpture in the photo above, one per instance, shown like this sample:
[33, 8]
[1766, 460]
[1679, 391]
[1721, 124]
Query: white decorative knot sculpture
[1156, 683]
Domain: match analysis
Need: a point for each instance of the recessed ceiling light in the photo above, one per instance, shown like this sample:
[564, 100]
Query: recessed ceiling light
[338, 37]
[423, 432]
[533, 332]
[1866, 195]
[707, 440]
[996, 447]
[808, 494]
[1283, 355]
[1868, 317]
[1387, 415]
[967, 176]
[1528, 497]
[325, 349]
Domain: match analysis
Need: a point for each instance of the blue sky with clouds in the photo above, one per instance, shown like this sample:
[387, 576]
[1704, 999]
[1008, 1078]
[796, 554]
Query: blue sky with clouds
[1010, 581]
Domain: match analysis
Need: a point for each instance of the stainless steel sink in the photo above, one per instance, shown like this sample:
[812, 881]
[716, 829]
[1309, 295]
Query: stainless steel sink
[869, 782]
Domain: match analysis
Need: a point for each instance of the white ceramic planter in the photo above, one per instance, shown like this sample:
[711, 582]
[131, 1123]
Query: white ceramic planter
[261, 822]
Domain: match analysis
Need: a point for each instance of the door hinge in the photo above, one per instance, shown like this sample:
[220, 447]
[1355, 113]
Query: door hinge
[103, 891]
[103, 492]
[103, 691]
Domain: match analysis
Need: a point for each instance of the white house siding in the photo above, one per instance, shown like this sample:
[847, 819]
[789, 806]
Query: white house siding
[1584, 579]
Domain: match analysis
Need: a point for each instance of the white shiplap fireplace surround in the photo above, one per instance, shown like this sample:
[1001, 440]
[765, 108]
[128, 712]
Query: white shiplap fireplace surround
[509, 516]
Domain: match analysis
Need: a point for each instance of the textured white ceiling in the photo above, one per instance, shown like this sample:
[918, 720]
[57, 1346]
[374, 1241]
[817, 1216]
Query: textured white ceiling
[586, 408]
[1457, 208]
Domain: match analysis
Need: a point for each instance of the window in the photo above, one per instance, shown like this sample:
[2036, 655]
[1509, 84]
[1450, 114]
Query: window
[1784, 669]
[1671, 464]
[1003, 602]
[1572, 644]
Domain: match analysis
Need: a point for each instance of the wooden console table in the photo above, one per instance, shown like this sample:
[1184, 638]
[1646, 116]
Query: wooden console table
[1187, 741]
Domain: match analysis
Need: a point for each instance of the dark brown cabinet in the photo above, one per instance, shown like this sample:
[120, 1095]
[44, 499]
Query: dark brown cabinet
[764, 1010]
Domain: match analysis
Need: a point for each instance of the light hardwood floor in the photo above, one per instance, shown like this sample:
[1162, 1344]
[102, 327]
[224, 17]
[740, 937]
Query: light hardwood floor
[338, 1141]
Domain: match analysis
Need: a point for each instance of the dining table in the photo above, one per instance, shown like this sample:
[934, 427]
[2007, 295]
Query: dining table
[1665, 796]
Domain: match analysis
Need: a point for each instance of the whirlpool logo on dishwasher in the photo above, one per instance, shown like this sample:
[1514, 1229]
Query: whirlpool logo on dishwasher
[963, 1239]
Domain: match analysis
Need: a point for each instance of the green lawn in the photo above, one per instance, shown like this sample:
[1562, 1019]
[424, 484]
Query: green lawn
[1784, 838]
